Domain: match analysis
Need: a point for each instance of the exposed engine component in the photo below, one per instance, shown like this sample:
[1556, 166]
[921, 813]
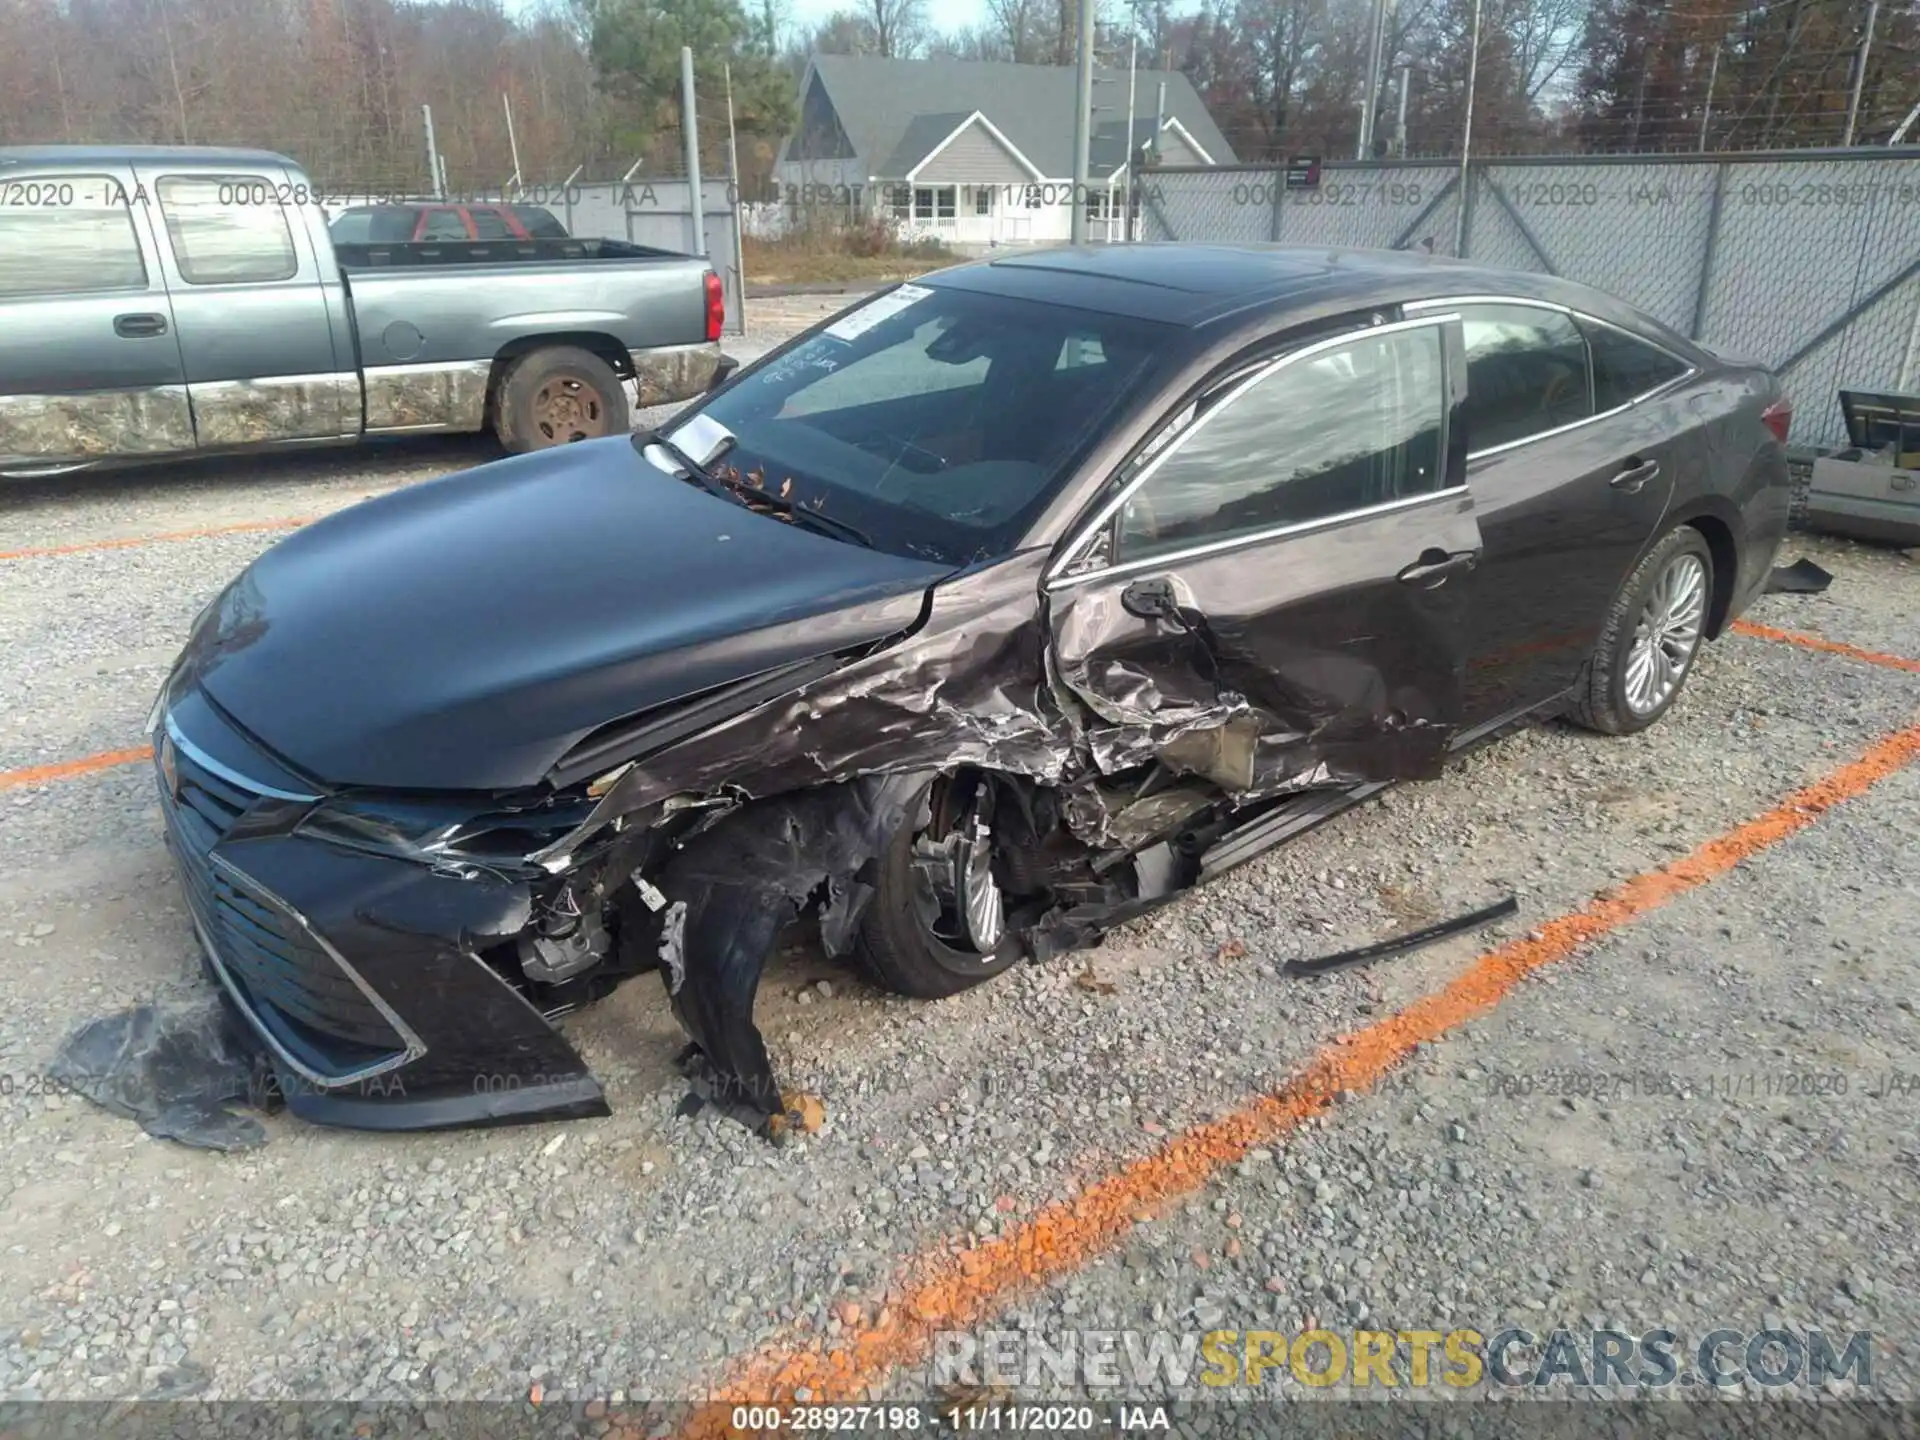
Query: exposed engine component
[567, 937]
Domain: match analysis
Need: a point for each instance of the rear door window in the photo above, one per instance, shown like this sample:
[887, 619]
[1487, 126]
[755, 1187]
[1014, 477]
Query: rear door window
[227, 229]
[1527, 373]
[67, 235]
[1626, 367]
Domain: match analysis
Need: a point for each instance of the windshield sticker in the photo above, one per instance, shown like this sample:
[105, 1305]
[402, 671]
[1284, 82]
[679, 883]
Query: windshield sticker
[853, 326]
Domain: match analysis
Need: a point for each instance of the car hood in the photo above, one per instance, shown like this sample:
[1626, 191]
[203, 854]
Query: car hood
[464, 633]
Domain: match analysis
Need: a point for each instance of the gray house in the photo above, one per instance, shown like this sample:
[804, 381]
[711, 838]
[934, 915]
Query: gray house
[980, 153]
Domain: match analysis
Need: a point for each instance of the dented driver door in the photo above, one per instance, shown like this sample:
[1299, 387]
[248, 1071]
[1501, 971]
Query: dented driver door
[1276, 594]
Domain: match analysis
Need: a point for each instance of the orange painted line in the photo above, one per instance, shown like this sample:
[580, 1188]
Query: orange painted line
[69, 769]
[959, 1285]
[1825, 647]
[130, 542]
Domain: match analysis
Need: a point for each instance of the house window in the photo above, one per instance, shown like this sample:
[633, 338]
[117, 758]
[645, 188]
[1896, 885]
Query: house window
[934, 202]
[983, 200]
[1100, 205]
[900, 197]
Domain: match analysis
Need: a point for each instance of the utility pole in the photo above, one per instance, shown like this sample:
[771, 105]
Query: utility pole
[1082, 125]
[1713, 74]
[1133, 58]
[1860, 71]
[1466, 137]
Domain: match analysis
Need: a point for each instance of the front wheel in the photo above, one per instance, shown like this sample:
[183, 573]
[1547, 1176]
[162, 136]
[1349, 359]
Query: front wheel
[937, 923]
[1652, 636]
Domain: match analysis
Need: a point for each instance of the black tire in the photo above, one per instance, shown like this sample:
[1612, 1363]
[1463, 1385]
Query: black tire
[1601, 693]
[557, 396]
[896, 946]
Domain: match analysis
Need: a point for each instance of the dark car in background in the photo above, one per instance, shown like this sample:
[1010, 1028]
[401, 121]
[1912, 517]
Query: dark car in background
[1003, 606]
[428, 220]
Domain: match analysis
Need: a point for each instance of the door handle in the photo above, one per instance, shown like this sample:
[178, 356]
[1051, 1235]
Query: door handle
[138, 327]
[1435, 565]
[1634, 478]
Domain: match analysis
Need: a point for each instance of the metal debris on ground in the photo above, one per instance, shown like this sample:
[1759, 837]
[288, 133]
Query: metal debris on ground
[1412, 940]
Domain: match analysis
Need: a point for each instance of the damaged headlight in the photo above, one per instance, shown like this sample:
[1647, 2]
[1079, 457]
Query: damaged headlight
[439, 833]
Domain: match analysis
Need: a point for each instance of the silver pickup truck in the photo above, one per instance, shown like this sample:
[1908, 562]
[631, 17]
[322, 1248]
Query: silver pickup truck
[158, 302]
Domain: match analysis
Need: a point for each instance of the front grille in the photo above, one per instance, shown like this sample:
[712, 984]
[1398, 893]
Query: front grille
[297, 990]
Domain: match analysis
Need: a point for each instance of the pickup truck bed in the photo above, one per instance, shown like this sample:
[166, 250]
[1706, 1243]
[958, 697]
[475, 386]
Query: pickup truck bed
[173, 301]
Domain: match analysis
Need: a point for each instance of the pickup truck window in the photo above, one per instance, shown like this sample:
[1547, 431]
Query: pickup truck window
[226, 229]
[65, 235]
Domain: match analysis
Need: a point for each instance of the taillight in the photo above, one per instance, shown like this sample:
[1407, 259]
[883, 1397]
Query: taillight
[1778, 417]
[716, 306]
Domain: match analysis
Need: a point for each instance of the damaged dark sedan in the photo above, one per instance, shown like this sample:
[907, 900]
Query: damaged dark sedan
[990, 613]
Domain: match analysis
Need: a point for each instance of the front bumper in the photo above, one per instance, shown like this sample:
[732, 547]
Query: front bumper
[359, 974]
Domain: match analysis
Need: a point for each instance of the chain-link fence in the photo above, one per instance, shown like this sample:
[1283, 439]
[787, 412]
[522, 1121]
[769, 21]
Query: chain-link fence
[1808, 263]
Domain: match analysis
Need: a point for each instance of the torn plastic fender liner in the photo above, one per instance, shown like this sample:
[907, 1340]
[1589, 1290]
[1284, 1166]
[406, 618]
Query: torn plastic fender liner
[733, 888]
[968, 688]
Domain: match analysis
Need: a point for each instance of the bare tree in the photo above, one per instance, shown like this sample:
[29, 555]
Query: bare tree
[899, 26]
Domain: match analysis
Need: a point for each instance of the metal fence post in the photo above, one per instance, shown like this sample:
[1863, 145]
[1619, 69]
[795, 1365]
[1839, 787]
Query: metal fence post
[1706, 252]
[690, 124]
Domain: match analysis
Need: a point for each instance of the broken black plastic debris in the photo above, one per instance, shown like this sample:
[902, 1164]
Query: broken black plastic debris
[1803, 577]
[174, 1067]
[1380, 949]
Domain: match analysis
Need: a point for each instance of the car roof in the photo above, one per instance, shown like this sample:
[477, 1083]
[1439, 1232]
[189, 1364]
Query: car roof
[186, 156]
[1197, 285]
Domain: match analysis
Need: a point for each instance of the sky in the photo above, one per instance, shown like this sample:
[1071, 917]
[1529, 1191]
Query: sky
[941, 14]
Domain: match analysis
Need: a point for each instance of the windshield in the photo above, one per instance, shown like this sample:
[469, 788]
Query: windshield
[936, 421]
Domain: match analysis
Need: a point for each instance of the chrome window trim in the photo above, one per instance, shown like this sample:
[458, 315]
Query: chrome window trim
[233, 777]
[1234, 542]
[1578, 317]
[1056, 576]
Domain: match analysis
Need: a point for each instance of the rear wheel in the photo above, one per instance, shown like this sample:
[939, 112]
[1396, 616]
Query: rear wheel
[1652, 635]
[937, 923]
[556, 397]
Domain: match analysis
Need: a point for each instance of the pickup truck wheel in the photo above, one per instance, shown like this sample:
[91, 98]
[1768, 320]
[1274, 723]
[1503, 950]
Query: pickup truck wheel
[558, 396]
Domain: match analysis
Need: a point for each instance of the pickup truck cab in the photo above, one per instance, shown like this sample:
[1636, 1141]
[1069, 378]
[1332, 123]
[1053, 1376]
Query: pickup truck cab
[161, 302]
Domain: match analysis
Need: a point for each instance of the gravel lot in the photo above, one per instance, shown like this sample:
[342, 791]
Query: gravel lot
[645, 1254]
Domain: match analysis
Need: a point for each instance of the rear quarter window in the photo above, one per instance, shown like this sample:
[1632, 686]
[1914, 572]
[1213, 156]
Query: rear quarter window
[67, 235]
[1626, 367]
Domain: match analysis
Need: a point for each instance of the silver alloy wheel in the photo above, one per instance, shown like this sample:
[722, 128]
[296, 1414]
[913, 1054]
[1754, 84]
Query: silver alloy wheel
[1667, 634]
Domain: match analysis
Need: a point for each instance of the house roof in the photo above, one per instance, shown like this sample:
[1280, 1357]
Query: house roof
[896, 112]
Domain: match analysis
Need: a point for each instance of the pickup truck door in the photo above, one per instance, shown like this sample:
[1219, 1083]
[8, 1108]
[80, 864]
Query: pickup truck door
[90, 368]
[266, 359]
